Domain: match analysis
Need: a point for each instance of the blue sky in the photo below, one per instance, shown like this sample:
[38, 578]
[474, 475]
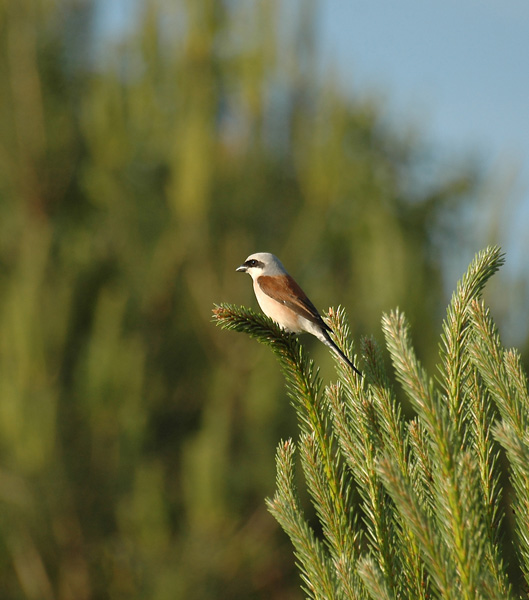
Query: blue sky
[459, 70]
[462, 66]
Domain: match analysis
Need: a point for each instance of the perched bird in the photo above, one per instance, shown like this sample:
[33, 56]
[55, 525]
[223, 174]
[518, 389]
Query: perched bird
[281, 299]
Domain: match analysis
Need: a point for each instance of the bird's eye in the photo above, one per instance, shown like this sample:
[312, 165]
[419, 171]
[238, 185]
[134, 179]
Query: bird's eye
[252, 263]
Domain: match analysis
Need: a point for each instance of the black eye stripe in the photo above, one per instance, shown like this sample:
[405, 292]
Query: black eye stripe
[253, 263]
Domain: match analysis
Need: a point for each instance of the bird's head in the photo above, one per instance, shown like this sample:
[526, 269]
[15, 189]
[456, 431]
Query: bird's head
[262, 263]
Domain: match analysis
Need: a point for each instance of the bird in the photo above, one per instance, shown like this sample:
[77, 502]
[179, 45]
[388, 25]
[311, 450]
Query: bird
[283, 300]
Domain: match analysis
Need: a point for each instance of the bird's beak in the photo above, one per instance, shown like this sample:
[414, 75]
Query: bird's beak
[241, 269]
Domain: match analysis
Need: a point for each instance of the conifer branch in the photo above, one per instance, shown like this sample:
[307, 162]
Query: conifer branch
[394, 441]
[339, 529]
[407, 508]
[487, 455]
[303, 381]
[439, 565]
[353, 423]
[488, 356]
[316, 569]
[373, 579]
[502, 374]
[304, 386]
[454, 366]
[454, 503]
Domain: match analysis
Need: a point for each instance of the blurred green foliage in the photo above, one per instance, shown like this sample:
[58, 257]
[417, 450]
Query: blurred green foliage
[136, 440]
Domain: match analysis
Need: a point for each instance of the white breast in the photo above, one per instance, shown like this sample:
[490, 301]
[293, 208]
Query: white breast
[285, 317]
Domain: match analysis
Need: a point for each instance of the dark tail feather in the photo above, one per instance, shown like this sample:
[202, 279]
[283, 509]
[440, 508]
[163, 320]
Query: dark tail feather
[328, 342]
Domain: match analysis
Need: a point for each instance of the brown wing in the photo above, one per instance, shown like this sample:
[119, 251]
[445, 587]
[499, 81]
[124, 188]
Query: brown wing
[285, 290]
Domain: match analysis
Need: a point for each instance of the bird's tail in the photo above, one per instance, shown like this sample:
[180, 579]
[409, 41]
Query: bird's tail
[326, 339]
